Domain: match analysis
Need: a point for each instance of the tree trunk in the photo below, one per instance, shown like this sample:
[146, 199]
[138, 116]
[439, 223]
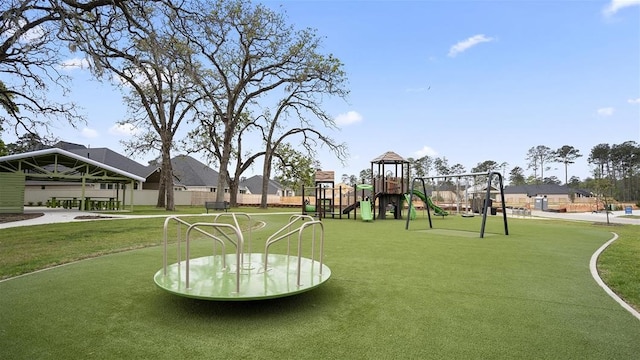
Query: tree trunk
[266, 174]
[171, 202]
[167, 170]
[224, 171]
[161, 190]
[233, 193]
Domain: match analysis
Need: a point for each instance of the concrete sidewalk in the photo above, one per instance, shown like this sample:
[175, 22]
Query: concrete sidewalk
[56, 215]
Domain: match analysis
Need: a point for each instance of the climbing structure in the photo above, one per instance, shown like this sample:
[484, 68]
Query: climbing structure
[390, 179]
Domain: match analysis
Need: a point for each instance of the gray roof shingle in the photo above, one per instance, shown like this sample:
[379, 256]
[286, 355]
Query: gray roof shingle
[113, 159]
[254, 185]
[191, 172]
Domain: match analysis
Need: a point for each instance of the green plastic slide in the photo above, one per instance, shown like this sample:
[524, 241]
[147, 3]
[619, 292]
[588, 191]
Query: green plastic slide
[365, 210]
[436, 209]
[412, 210]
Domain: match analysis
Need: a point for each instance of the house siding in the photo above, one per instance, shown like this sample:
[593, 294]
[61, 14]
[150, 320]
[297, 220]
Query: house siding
[12, 192]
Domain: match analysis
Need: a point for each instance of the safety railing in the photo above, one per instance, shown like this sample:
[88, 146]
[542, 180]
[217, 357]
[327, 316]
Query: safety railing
[287, 231]
[247, 233]
[218, 227]
[179, 223]
[220, 233]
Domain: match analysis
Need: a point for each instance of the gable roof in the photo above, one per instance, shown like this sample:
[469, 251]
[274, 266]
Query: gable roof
[59, 164]
[65, 145]
[254, 185]
[112, 158]
[188, 171]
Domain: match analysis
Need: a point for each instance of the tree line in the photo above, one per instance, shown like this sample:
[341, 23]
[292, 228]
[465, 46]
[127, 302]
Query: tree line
[615, 169]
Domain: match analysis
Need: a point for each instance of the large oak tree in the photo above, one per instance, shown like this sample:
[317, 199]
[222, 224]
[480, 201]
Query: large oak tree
[140, 52]
[253, 60]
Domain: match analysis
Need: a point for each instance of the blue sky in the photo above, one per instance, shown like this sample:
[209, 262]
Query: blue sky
[466, 80]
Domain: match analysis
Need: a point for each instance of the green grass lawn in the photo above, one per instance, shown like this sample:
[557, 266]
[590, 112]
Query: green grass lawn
[419, 294]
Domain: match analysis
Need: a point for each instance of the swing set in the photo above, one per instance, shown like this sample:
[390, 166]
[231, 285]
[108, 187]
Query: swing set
[486, 205]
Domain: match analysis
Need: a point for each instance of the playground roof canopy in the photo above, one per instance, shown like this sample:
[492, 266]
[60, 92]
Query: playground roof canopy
[389, 158]
[58, 164]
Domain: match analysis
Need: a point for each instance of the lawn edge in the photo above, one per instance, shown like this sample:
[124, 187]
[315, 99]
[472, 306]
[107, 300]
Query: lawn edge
[598, 279]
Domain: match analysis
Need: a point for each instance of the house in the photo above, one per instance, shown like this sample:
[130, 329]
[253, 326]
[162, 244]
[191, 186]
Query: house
[443, 193]
[557, 196]
[253, 185]
[190, 174]
[74, 171]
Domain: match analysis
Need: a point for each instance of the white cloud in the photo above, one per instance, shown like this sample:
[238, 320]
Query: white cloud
[607, 111]
[75, 63]
[89, 133]
[615, 5]
[123, 130]
[468, 43]
[348, 118]
[634, 101]
[426, 151]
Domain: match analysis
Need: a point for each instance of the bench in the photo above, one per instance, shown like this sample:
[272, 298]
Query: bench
[216, 205]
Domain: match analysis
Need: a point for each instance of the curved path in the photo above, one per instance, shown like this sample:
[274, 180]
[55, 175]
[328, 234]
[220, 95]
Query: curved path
[594, 273]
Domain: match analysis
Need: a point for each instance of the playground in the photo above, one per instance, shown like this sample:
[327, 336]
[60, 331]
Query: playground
[391, 193]
[430, 293]
[419, 271]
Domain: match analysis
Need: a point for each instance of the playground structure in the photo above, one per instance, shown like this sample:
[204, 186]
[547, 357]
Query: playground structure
[366, 208]
[384, 196]
[390, 179]
[486, 202]
[329, 201]
[240, 274]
